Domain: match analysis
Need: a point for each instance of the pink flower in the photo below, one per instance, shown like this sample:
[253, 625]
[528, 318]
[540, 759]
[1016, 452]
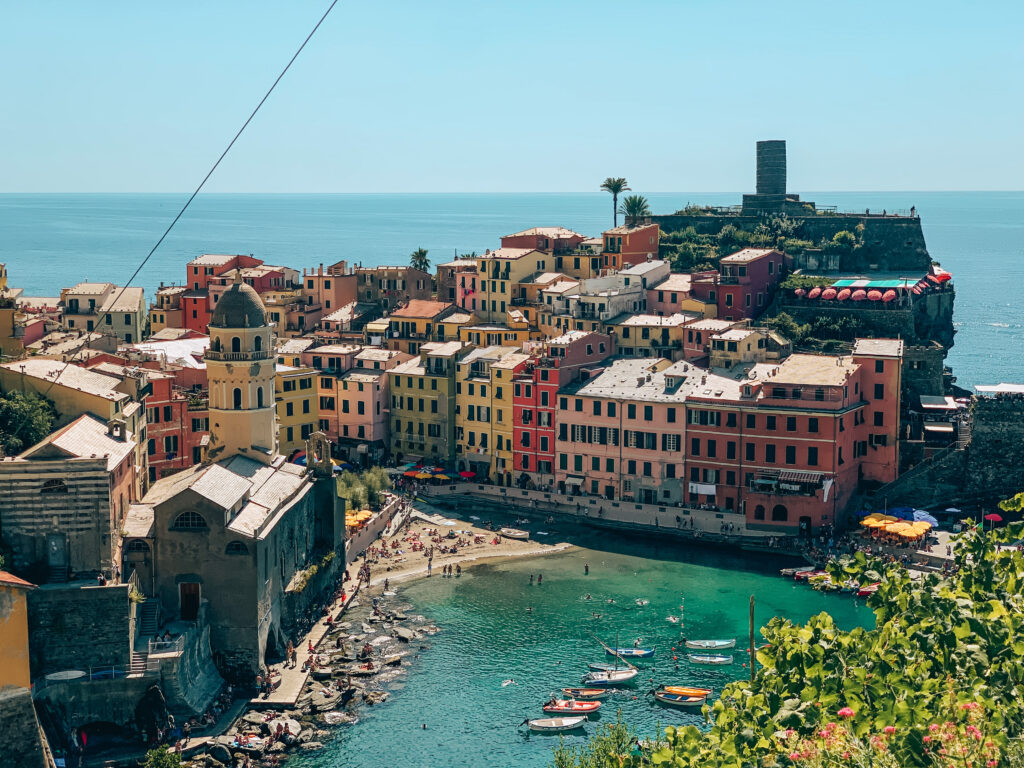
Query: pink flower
[890, 729]
[794, 755]
[845, 712]
[846, 755]
[991, 764]
[927, 739]
[933, 727]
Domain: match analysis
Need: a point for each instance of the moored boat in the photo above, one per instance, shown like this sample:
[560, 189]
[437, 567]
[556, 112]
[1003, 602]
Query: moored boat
[812, 574]
[571, 707]
[631, 653]
[716, 659]
[555, 724]
[679, 700]
[609, 677]
[795, 571]
[514, 533]
[868, 589]
[587, 693]
[711, 645]
[687, 690]
[601, 666]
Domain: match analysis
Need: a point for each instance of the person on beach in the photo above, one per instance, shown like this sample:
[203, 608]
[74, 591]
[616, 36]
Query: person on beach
[288, 652]
[540, 578]
[586, 569]
[531, 579]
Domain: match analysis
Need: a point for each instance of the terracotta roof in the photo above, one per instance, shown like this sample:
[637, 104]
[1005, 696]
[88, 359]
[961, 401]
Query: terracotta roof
[211, 260]
[675, 282]
[87, 289]
[422, 308]
[10, 580]
[507, 253]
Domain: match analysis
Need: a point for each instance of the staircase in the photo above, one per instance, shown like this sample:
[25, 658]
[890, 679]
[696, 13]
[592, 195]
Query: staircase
[139, 662]
[149, 617]
[58, 574]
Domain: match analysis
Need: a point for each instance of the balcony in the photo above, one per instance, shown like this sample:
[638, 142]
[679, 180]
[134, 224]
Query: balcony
[239, 357]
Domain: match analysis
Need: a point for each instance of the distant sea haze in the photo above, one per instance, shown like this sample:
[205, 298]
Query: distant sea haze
[50, 241]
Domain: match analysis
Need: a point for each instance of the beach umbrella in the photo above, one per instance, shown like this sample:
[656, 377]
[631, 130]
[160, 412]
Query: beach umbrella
[859, 295]
[923, 516]
[904, 513]
[423, 475]
[442, 477]
[814, 293]
[954, 510]
[829, 294]
[874, 295]
[870, 522]
[911, 533]
[411, 473]
[300, 460]
[888, 296]
[467, 474]
[896, 527]
[844, 294]
[994, 518]
[800, 292]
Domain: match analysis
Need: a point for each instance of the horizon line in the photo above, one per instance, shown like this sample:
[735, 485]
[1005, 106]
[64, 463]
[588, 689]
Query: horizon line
[512, 192]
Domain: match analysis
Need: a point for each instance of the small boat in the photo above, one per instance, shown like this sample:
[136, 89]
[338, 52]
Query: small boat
[514, 533]
[711, 645]
[601, 666]
[868, 589]
[795, 571]
[631, 653]
[679, 700]
[610, 677]
[587, 693]
[686, 690]
[555, 724]
[709, 658]
[571, 707]
[807, 575]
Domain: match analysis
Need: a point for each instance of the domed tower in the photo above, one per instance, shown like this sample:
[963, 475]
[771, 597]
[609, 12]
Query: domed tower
[240, 368]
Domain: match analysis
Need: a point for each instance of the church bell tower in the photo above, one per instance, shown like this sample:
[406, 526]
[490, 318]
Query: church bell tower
[240, 366]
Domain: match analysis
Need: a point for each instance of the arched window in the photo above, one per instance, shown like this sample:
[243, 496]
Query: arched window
[780, 513]
[259, 397]
[236, 548]
[54, 486]
[257, 343]
[138, 545]
[236, 344]
[188, 521]
[238, 399]
[759, 512]
[215, 344]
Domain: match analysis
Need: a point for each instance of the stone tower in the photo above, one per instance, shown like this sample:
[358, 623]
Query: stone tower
[240, 368]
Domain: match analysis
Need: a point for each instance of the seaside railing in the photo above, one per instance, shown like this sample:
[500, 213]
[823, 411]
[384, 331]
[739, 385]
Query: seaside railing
[177, 645]
[99, 674]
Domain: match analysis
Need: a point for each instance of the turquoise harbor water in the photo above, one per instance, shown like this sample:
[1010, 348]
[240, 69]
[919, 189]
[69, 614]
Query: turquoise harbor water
[488, 635]
[54, 240]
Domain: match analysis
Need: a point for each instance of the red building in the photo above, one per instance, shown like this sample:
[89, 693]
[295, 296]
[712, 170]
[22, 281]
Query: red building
[555, 363]
[626, 246]
[747, 281]
[547, 239]
[177, 420]
[195, 302]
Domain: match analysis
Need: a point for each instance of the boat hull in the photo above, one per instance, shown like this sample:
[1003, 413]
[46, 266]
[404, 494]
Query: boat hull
[686, 690]
[569, 707]
[711, 645]
[680, 701]
[710, 659]
[631, 653]
[604, 679]
[514, 533]
[556, 724]
[586, 693]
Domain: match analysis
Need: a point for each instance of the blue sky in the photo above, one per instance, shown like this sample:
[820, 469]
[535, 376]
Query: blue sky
[530, 95]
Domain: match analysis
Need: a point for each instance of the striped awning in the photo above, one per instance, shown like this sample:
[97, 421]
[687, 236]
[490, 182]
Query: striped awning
[799, 476]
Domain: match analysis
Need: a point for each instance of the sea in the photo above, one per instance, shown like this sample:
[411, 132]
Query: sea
[49, 241]
[506, 646]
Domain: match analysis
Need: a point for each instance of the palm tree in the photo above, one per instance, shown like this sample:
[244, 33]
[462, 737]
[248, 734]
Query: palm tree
[616, 186]
[418, 260]
[634, 208]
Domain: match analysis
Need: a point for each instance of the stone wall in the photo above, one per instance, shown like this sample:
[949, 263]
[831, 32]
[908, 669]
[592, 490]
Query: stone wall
[20, 739]
[77, 627]
[891, 243]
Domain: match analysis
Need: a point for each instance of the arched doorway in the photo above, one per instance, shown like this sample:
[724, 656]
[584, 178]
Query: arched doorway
[780, 514]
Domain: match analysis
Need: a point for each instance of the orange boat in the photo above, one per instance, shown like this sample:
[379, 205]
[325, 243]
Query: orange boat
[571, 707]
[683, 690]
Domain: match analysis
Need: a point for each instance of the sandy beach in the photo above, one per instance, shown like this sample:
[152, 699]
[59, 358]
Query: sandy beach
[402, 557]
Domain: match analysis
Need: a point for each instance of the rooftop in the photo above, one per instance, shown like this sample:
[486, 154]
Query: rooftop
[657, 321]
[335, 349]
[507, 253]
[211, 260]
[293, 346]
[625, 229]
[459, 317]
[70, 376]
[710, 324]
[568, 337]
[422, 308]
[10, 580]
[85, 437]
[734, 334]
[747, 255]
[90, 289]
[644, 267]
[822, 370]
[634, 379]
[552, 232]
[879, 347]
[187, 353]
[124, 300]
[373, 353]
[442, 349]
[677, 281]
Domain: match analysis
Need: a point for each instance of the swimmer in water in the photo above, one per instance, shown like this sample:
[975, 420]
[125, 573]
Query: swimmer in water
[611, 600]
[587, 597]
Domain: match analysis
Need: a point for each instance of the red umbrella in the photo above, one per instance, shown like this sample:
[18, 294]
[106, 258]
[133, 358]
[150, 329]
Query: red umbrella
[828, 293]
[467, 474]
[859, 295]
[411, 473]
[844, 294]
[814, 293]
[874, 295]
[889, 295]
[994, 518]
[800, 292]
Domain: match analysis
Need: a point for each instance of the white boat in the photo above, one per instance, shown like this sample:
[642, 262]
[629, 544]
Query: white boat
[709, 658]
[609, 677]
[711, 645]
[514, 533]
[555, 724]
[794, 571]
[680, 700]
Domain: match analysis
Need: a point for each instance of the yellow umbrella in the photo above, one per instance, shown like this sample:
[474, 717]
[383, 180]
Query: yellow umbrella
[897, 527]
[876, 524]
[870, 522]
[911, 533]
[424, 476]
[890, 519]
[442, 477]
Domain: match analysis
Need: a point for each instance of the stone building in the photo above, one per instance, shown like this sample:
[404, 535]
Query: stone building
[230, 535]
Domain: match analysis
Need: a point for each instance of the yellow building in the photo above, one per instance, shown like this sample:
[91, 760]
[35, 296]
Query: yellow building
[483, 411]
[490, 335]
[298, 407]
[500, 272]
[423, 403]
[650, 335]
[117, 312]
[14, 659]
[11, 341]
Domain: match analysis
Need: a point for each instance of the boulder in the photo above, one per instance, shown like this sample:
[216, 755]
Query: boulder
[219, 754]
[309, 746]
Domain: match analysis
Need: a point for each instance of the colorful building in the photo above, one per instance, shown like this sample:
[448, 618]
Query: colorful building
[14, 657]
[553, 240]
[417, 322]
[499, 273]
[650, 335]
[747, 281]
[297, 406]
[674, 294]
[105, 308]
[423, 403]
[630, 244]
[391, 287]
[177, 422]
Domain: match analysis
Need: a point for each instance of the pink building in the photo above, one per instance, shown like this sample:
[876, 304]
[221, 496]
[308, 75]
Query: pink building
[673, 294]
[747, 282]
[697, 337]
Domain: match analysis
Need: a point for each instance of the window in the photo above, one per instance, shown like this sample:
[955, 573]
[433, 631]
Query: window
[750, 451]
[791, 454]
[577, 463]
[237, 399]
[670, 470]
[236, 344]
[151, 448]
[712, 449]
[819, 394]
[780, 513]
[769, 454]
[595, 463]
[647, 469]
[305, 407]
[259, 397]
[631, 411]
[327, 404]
[563, 461]
[188, 521]
[879, 366]
[771, 423]
[171, 443]
[751, 421]
[730, 419]
[611, 408]
[597, 407]
[812, 424]
[54, 486]
[879, 419]
[730, 449]
[648, 413]
[879, 391]
[812, 457]
[759, 512]
[579, 404]
[236, 548]
[289, 409]
[670, 442]
[791, 423]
